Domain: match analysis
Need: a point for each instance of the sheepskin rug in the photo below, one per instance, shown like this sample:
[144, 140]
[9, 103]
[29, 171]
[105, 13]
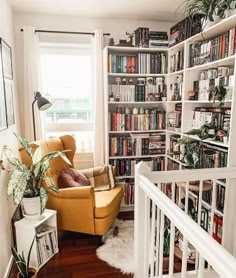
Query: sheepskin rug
[117, 250]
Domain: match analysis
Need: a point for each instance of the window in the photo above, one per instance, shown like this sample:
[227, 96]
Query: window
[67, 82]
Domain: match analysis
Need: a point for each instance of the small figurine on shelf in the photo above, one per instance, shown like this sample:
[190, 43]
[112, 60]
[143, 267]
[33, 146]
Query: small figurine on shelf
[129, 42]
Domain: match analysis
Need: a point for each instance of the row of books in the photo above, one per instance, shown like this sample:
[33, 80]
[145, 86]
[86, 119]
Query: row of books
[153, 119]
[177, 61]
[126, 167]
[185, 29]
[46, 239]
[217, 158]
[216, 118]
[174, 120]
[142, 63]
[139, 92]
[172, 165]
[137, 144]
[128, 187]
[146, 38]
[218, 48]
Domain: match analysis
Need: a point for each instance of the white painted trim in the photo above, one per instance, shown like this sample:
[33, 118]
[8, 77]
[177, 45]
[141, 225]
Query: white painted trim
[9, 266]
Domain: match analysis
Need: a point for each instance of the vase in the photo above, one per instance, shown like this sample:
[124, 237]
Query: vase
[31, 207]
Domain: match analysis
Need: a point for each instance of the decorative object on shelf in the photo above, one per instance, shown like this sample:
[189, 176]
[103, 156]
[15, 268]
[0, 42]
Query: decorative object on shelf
[25, 271]
[42, 103]
[26, 181]
[208, 9]
[126, 43]
[218, 93]
[111, 42]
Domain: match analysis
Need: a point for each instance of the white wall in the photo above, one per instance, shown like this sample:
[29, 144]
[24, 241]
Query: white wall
[6, 137]
[117, 28]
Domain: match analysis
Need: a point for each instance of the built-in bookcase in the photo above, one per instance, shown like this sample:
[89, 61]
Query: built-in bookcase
[150, 94]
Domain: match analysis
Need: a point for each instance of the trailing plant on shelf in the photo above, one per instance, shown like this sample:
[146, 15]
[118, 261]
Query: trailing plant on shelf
[28, 181]
[209, 9]
[25, 271]
[206, 131]
[190, 154]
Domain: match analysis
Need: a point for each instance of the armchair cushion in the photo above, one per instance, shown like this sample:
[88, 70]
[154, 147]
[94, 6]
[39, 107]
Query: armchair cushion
[101, 177]
[72, 178]
[107, 201]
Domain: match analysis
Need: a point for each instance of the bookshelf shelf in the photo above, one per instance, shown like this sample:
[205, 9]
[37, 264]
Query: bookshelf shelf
[136, 102]
[136, 156]
[214, 142]
[136, 75]
[118, 49]
[176, 72]
[175, 160]
[137, 131]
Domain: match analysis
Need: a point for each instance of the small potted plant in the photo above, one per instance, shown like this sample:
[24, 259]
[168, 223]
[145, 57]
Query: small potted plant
[27, 183]
[218, 93]
[25, 271]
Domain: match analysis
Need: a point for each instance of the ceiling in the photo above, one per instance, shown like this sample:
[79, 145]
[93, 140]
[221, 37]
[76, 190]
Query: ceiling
[163, 10]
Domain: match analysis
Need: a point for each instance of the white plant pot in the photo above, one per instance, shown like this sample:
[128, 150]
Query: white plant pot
[31, 207]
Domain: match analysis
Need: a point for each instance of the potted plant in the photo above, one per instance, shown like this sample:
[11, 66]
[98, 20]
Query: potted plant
[218, 93]
[25, 271]
[190, 154]
[209, 9]
[28, 182]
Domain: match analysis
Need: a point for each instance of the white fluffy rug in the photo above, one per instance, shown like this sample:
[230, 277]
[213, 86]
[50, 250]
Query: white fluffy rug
[117, 251]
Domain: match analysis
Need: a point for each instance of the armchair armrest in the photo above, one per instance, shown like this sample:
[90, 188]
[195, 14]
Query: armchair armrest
[82, 192]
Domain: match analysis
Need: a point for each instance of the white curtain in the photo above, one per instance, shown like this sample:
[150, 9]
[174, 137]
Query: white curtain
[99, 132]
[32, 83]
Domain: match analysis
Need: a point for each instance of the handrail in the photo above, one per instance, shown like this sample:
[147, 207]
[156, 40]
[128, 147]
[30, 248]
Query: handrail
[146, 193]
[221, 260]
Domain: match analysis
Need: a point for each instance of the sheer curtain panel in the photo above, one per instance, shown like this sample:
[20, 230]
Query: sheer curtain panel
[32, 83]
[99, 133]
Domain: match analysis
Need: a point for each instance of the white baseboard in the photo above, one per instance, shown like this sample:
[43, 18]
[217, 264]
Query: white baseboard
[8, 269]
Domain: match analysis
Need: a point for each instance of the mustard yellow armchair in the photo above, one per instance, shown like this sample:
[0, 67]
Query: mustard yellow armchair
[79, 209]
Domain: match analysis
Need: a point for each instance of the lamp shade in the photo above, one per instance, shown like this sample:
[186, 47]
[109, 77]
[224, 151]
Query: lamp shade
[43, 103]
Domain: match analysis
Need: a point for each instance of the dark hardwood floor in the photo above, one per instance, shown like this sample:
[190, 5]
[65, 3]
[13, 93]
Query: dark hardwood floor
[77, 259]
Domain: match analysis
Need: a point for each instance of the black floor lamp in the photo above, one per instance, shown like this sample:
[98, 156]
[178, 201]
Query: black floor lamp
[43, 104]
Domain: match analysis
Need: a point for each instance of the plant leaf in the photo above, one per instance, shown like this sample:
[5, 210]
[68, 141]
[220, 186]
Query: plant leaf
[25, 144]
[193, 132]
[43, 198]
[37, 156]
[53, 188]
[17, 185]
[10, 157]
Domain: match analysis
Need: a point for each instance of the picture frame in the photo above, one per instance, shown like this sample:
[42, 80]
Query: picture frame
[6, 59]
[9, 102]
[3, 115]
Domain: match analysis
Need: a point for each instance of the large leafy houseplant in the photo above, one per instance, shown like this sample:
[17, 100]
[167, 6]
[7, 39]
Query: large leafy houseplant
[208, 9]
[28, 181]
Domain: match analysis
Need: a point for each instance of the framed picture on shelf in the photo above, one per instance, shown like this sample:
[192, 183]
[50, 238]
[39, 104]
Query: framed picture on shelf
[9, 102]
[3, 115]
[6, 59]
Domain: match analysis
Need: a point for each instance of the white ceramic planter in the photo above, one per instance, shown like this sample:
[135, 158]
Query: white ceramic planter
[31, 207]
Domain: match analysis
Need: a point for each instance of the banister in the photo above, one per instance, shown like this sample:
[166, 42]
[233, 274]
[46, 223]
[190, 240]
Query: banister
[221, 260]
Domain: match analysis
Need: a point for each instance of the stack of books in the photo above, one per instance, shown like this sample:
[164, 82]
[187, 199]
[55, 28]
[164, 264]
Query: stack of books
[46, 238]
[158, 39]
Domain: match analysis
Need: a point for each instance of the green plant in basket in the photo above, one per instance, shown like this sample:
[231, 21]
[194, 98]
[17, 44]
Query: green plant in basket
[28, 181]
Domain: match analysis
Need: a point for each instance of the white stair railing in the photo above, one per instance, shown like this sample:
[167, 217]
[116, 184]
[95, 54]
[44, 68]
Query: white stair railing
[154, 210]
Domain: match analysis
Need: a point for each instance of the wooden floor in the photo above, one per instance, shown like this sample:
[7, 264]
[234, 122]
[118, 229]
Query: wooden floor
[77, 259]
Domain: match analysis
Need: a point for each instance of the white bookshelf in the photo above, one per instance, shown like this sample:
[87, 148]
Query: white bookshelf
[188, 75]
[27, 230]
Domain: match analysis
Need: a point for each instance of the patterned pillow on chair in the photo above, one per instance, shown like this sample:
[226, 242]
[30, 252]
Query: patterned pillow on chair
[71, 178]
